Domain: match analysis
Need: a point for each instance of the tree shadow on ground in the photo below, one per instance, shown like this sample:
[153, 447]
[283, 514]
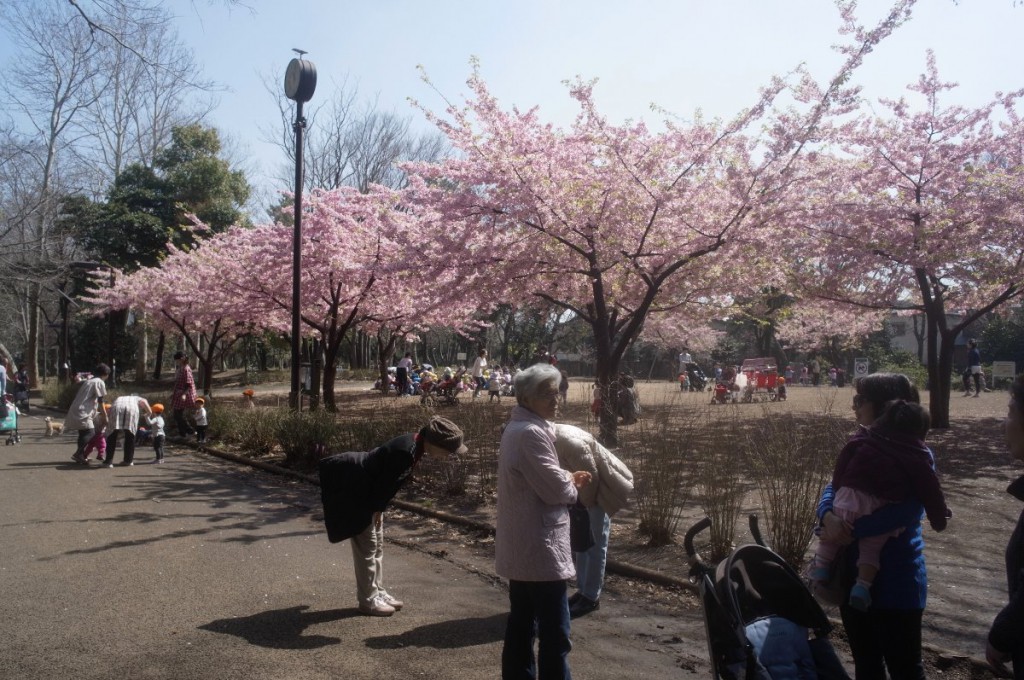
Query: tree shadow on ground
[446, 634]
[281, 628]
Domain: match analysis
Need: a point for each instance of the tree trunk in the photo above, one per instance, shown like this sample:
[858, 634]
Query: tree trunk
[330, 375]
[158, 361]
[31, 358]
[938, 403]
[315, 373]
[141, 347]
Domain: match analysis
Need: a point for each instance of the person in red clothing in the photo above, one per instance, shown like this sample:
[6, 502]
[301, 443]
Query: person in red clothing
[184, 394]
[884, 463]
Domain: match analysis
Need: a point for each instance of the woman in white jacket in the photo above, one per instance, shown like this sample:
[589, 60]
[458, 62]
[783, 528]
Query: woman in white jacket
[607, 493]
[532, 543]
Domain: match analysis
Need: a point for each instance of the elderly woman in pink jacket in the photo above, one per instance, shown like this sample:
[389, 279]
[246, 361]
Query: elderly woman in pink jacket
[532, 545]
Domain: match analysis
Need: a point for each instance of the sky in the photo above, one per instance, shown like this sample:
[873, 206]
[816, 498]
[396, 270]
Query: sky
[678, 54]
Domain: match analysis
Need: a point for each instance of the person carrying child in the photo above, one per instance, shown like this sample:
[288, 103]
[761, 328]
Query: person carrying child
[156, 422]
[884, 463]
[202, 422]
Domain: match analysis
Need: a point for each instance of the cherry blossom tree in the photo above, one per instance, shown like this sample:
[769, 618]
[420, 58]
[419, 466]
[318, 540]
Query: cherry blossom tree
[617, 224]
[923, 213]
[364, 265]
[176, 299]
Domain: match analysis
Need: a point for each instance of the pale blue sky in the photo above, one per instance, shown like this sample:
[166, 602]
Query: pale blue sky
[680, 54]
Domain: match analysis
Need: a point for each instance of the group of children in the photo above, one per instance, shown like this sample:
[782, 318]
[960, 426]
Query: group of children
[154, 434]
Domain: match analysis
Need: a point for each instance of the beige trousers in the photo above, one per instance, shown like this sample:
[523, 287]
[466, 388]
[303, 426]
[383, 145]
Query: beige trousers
[368, 561]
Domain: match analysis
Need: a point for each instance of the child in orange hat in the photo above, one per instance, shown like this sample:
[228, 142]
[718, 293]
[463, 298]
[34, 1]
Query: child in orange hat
[156, 422]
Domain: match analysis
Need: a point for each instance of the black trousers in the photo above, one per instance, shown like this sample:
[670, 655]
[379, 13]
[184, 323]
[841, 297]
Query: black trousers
[184, 429]
[883, 639]
[129, 446]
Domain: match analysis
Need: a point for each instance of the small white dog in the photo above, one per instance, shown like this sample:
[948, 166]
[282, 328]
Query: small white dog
[53, 428]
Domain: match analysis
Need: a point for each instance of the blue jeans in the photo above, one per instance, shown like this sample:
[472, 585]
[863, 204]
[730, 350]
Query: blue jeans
[590, 564]
[537, 609]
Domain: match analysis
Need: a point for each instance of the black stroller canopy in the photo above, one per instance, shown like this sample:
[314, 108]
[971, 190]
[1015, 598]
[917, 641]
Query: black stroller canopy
[754, 582]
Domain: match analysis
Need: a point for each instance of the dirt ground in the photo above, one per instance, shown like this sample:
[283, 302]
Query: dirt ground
[967, 583]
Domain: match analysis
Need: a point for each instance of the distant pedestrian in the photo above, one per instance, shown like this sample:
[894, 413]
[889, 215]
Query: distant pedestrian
[402, 375]
[201, 419]
[973, 369]
[494, 385]
[479, 365]
[156, 423]
[98, 443]
[815, 372]
[563, 388]
[82, 413]
[124, 421]
[184, 394]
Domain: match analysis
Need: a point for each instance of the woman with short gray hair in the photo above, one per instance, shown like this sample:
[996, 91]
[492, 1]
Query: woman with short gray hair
[531, 381]
[532, 546]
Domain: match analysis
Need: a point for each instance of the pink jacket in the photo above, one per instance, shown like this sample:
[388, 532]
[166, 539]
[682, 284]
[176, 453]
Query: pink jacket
[532, 542]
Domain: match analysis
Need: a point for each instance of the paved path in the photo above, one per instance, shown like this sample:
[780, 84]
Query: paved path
[201, 569]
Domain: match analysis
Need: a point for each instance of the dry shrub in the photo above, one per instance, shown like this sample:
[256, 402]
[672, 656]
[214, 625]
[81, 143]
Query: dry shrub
[254, 431]
[661, 453]
[790, 458]
[720, 481]
[305, 435]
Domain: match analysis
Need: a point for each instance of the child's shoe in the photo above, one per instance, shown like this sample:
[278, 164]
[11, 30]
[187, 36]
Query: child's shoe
[860, 597]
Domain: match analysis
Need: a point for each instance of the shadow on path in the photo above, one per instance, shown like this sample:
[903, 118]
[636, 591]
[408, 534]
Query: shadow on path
[281, 628]
[446, 634]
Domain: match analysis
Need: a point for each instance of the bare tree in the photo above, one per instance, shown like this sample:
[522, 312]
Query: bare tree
[47, 88]
[348, 143]
[152, 86]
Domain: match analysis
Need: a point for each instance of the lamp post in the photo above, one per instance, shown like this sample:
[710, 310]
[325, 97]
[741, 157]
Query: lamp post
[299, 85]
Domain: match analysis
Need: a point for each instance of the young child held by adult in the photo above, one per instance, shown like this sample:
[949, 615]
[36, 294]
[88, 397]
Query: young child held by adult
[156, 424]
[99, 440]
[887, 462]
[199, 414]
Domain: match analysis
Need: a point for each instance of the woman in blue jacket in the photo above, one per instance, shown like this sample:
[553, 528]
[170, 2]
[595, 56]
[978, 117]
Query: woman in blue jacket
[888, 634]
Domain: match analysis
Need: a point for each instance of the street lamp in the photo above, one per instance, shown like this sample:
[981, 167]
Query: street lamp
[299, 85]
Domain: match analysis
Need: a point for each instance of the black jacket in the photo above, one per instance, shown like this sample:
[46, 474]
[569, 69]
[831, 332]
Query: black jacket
[1007, 633]
[354, 485]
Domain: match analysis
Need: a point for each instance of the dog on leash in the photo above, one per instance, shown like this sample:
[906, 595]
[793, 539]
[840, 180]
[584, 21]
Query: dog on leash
[53, 428]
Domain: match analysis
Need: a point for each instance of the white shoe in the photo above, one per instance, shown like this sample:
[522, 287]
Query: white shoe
[377, 607]
[387, 598]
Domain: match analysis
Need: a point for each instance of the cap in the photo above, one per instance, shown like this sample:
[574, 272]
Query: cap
[179, 355]
[445, 434]
[200, 400]
[157, 408]
[248, 393]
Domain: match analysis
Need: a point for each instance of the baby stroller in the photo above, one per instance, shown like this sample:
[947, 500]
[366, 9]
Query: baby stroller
[444, 393]
[9, 420]
[757, 614]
